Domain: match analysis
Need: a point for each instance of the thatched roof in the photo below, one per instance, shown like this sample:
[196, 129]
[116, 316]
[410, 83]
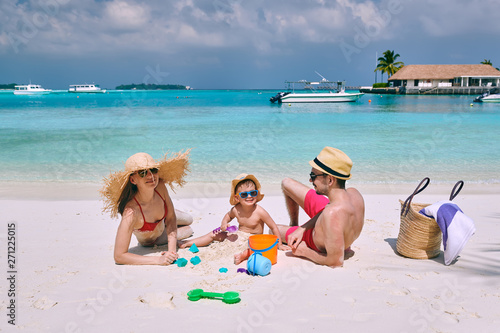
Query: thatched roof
[443, 72]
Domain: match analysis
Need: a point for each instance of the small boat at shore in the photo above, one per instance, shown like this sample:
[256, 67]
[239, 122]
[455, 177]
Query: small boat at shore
[495, 98]
[31, 89]
[85, 88]
[489, 97]
[323, 91]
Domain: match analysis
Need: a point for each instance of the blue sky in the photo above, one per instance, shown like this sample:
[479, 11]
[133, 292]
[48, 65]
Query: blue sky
[235, 44]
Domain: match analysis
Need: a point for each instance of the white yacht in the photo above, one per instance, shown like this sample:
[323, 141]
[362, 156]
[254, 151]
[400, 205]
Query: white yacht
[30, 89]
[323, 91]
[85, 88]
[493, 98]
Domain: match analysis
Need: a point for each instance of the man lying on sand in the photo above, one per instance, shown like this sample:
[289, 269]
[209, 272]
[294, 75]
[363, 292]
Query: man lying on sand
[335, 222]
[245, 193]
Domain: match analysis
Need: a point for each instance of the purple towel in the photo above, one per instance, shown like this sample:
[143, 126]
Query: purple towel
[456, 227]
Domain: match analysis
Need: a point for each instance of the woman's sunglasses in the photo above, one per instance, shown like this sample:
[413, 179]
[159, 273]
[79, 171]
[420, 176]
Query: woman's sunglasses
[244, 195]
[144, 173]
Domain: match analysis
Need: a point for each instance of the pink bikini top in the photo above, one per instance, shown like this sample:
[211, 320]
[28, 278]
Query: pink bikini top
[150, 226]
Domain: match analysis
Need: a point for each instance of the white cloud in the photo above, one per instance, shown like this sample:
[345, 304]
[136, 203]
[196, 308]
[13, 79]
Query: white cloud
[267, 25]
[126, 16]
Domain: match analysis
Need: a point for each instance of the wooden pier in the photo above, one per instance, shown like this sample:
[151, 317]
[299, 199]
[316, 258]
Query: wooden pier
[430, 90]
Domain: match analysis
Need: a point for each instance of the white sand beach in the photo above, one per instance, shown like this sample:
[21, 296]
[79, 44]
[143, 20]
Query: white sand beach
[67, 281]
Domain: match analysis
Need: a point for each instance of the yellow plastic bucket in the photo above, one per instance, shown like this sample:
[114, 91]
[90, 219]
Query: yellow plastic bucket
[269, 243]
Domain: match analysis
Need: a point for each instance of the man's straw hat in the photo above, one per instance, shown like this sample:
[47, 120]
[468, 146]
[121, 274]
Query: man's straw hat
[239, 179]
[171, 170]
[334, 162]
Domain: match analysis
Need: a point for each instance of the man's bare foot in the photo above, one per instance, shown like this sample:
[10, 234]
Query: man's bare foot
[240, 257]
[184, 232]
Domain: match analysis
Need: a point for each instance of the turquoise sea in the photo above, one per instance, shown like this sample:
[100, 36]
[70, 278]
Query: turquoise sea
[65, 137]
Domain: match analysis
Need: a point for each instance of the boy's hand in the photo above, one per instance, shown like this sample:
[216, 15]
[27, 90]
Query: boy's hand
[223, 226]
[284, 247]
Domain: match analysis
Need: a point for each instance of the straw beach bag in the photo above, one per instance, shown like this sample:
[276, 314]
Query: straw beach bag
[419, 236]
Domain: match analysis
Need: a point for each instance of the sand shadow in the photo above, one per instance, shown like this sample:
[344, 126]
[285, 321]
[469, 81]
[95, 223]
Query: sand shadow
[393, 244]
[349, 253]
[144, 250]
[232, 237]
[223, 236]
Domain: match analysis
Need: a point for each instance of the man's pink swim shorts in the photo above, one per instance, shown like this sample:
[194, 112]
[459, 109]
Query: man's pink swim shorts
[314, 203]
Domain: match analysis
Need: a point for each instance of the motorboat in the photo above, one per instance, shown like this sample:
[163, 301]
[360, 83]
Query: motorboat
[31, 89]
[85, 88]
[491, 96]
[494, 98]
[323, 91]
[329, 97]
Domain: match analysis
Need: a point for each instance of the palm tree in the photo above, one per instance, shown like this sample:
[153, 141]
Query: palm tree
[388, 64]
[488, 62]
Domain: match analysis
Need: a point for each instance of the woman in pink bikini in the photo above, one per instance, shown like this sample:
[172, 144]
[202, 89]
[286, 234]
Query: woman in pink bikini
[139, 194]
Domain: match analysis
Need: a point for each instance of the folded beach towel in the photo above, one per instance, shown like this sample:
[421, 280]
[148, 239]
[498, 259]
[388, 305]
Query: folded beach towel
[456, 227]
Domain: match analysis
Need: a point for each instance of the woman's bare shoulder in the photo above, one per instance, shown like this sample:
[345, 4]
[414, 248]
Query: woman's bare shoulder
[162, 188]
[131, 214]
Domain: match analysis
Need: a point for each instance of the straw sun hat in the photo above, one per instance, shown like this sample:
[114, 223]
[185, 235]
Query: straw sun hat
[239, 179]
[171, 170]
[334, 162]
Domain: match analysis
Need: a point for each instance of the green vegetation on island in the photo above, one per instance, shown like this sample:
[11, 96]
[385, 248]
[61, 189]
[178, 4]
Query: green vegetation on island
[8, 86]
[381, 85]
[143, 86]
[488, 62]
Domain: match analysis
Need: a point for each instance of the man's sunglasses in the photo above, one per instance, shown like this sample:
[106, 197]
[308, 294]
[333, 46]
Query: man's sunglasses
[244, 195]
[144, 173]
[313, 175]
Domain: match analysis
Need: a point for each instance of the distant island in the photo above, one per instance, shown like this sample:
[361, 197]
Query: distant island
[8, 86]
[143, 86]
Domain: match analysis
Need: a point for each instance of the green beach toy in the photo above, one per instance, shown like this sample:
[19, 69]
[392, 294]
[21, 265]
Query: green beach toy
[195, 260]
[229, 297]
[223, 270]
[194, 248]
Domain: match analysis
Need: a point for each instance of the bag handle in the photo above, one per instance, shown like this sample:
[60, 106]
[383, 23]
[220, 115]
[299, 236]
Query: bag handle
[454, 193]
[406, 205]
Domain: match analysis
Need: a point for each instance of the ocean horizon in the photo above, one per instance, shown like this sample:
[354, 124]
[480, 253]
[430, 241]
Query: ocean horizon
[392, 139]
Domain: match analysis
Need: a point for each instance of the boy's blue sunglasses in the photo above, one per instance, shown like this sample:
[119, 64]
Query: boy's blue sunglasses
[244, 195]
